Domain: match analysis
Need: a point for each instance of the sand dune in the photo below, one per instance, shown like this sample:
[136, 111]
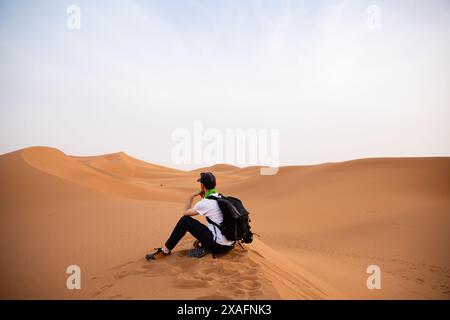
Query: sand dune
[218, 168]
[320, 227]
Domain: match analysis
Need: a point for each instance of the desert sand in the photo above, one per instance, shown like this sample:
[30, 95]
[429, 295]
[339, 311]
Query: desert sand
[319, 228]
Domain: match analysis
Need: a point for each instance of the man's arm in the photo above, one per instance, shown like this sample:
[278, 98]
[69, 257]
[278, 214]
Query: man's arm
[188, 210]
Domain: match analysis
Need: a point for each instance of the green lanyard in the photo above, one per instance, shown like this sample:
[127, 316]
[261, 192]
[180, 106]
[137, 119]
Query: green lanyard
[210, 192]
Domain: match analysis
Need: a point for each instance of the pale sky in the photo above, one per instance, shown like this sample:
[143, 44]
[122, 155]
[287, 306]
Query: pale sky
[138, 70]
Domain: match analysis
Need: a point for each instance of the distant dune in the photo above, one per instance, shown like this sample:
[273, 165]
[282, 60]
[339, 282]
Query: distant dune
[319, 229]
[218, 168]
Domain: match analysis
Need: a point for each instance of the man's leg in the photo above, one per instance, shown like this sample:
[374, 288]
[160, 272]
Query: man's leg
[195, 227]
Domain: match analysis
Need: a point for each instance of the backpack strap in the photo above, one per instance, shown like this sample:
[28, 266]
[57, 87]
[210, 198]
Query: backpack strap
[218, 227]
[216, 224]
[210, 197]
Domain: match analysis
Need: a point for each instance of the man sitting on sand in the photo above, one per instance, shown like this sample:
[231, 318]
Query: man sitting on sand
[210, 237]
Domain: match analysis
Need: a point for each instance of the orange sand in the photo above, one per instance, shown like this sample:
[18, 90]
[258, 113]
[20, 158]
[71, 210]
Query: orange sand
[320, 227]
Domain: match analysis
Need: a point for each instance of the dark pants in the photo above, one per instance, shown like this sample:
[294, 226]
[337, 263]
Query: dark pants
[199, 231]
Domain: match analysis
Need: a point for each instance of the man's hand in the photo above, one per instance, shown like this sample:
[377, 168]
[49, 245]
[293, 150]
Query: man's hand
[188, 211]
[196, 193]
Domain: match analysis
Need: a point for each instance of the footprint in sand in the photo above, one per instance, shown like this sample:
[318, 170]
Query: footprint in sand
[119, 297]
[255, 293]
[190, 283]
[202, 277]
[248, 277]
[101, 290]
[232, 288]
[125, 273]
[214, 297]
[232, 275]
[123, 265]
[250, 284]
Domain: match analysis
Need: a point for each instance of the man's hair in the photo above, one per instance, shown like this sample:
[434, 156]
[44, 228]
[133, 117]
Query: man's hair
[208, 180]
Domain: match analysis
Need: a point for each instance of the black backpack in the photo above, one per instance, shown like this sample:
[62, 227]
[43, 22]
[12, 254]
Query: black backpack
[236, 221]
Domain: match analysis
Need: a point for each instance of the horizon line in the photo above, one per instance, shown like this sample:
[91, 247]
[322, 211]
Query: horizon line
[205, 166]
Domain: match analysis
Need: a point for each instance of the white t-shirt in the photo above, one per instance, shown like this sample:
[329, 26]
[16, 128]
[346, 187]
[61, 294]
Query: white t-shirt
[210, 208]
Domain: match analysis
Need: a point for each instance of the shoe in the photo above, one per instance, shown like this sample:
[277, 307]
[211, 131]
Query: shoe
[198, 252]
[158, 254]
